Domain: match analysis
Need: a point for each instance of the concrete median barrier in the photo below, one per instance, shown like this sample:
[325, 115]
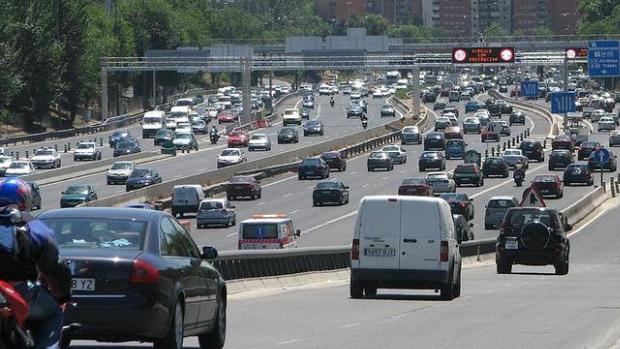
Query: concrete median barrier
[554, 120]
[584, 206]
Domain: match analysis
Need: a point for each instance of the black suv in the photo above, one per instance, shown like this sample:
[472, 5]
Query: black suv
[495, 166]
[533, 150]
[435, 141]
[516, 117]
[533, 236]
[560, 159]
[468, 174]
[586, 148]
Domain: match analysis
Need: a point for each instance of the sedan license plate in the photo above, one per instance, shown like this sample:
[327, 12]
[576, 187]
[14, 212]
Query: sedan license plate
[512, 245]
[83, 285]
[379, 252]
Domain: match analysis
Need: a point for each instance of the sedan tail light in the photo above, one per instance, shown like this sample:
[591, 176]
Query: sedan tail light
[144, 273]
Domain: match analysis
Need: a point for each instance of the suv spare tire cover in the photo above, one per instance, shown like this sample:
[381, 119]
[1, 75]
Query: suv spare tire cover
[535, 235]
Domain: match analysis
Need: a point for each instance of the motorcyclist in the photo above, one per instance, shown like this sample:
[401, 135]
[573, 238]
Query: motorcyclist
[331, 101]
[519, 173]
[364, 119]
[213, 134]
[29, 261]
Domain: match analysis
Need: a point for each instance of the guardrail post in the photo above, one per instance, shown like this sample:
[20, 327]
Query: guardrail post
[613, 186]
[56, 147]
[27, 155]
[545, 143]
[65, 148]
[486, 153]
[492, 151]
[513, 141]
[13, 154]
[101, 141]
[17, 155]
[527, 132]
[504, 146]
[69, 146]
[617, 187]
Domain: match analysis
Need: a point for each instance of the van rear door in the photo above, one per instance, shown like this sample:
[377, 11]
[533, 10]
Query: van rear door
[420, 235]
[379, 233]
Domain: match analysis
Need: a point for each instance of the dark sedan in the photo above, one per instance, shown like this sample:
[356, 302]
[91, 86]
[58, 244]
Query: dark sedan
[333, 191]
[77, 194]
[415, 186]
[314, 127]
[614, 138]
[468, 174]
[243, 186]
[560, 159]
[335, 160]
[435, 141]
[354, 111]
[533, 150]
[126, 148]
[431, 159]
[142, 177]
[578, 173]
[117, 136]
[586, 148]
[516, 117]
[379, 159]
[162, 136]
[312, 167]
[495, 166]
[138, 276]
[460, 204]
[288, 135]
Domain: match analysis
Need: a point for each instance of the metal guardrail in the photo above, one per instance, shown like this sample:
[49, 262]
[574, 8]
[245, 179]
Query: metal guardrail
[235, 265]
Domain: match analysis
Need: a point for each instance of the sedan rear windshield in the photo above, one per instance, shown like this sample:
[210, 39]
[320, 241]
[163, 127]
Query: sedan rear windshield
[98, 233]
[464, 169]
[500, 204]
[259, 231]
[328, 185]
[211, 205]
[140, 172]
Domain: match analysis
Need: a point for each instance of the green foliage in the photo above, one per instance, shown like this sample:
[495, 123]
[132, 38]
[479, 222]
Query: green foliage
[374, 24]
[599, 17]
[417, 33]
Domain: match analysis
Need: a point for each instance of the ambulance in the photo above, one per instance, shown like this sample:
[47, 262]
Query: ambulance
[268, 231]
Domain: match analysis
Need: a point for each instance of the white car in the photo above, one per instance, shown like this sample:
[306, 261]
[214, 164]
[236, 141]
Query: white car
[86, 150]
[405, 242]
[597, 114]
[230, 156]
[46, 158]
[212, 112]
[356, 95]
[396, 152]
[291, 116]
[606, 123]
[171, 123]
[5, 162]
[325, 90]
[120, 171]
[19, 168]
[183, 128]
[441, 182]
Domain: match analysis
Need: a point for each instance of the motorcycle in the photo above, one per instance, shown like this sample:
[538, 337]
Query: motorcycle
[214, 138]
[14, 331]
[518, 179]
[331, 102]
[364, 124]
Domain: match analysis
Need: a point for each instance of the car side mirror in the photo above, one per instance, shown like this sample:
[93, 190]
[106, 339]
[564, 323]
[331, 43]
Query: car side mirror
[471, 225]
[209, 253]
[568, 227]
[233, 206]
[471, 200]
[298, 232]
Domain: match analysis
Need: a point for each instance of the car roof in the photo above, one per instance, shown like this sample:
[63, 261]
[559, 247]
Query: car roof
[502, 197]
[101, 212]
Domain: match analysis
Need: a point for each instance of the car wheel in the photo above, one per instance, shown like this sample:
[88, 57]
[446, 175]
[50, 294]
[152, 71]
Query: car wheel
[447, 290]
[488, 227]
[560, 195]
[315, 203]
[457, 285]
[502, 266]
[420, 169]
[369, 169]
[217, 337]
[370, 291]
[174, 338]
[75, 159]
[300, 177]
[562, 267]
[355, 289]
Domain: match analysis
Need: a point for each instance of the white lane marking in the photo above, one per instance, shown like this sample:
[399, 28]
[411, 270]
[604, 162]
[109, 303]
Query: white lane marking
[261, 203]
[350, 325]
[365, 185]
[385, 178]
[402, 171]
[280, 181]
[533, 124]
[290, 341]
[501, 184]
[231, 235]
[354, 172]
[590, 221]
[331, 221]
[293, 212]
[287, 195]
[310, 187]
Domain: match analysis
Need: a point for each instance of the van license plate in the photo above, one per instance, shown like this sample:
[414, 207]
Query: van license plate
[379, 252]
[512, 245]
[83, 285]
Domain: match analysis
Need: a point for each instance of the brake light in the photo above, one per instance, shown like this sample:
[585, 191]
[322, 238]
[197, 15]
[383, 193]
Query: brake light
[443, 252]
[144, 273]
[502, 227]
[462, 204]
[355, 250]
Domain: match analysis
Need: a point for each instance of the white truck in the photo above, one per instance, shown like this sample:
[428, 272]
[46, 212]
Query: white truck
[152, 122]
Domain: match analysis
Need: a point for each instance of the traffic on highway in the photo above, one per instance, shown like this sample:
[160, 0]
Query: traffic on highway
[478, 164]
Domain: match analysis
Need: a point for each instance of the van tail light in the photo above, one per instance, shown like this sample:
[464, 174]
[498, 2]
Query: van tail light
[144, 273]
[462, 204]
[443, 252]
[502, 227]
[355, 250]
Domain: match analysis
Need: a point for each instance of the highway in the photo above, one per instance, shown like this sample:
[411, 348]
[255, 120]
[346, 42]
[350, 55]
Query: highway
[332, 225]
[205, 159]
[531, 308]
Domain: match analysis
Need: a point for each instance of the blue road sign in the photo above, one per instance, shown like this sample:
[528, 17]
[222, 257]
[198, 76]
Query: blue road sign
[604, 58]
[562, 102]
[529, 88]
[601, 155]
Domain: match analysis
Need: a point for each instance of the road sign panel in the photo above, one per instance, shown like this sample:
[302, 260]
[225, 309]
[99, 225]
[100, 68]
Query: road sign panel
[482, 55]
[601, 155]
[563, 102]
[604, 58]
[532, 198]
[574, 52]
[529, 88]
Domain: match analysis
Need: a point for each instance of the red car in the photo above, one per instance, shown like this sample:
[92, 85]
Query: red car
[489, 135]
[453, 132]
[238, 139]
[226, 117]
[415, 186]
[549, 185]
[563, 142]
[335, 160]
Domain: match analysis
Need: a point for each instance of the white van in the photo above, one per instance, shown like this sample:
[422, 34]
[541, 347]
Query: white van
[152, 122]
[271, 231]
[180, 113]
[291, 116]
[404, 242]
[186, 199]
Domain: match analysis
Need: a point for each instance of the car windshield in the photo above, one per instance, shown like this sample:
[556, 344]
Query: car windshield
[124, 145]
[590, 144]
[501, 203]
[140, 172]
[98, 233]
[163, 133]
[328, 185]
[390, 148]
[77, 189]
[471, 121]
[454, 197]
[211, 205]
[528, 145]
[410, 130]
[237, 134]
[19, 164]
[183, 136]
[259, 137]
[544, 179]
[230, 152]
[464, 169]
[198, 123]
[429, 155]
[311, 162]
[86, 146]
[413, 181]
[44, 153]
[287, 131]
[240, 179]
[312, 123]
[494, 161]
[512, 153]
[151, 121]
[377, 155]
[455, 144]
[436, 177]
[122, 166]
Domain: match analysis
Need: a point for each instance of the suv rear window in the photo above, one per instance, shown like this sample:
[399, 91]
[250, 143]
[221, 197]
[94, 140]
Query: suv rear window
[464, 169]
[518, 218]
[500, 204]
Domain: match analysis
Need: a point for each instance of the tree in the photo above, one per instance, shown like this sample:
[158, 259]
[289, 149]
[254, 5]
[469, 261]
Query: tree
[599, 17]
[374, 24]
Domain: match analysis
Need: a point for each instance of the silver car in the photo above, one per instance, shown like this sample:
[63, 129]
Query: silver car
[397, 153]
[215, 212]
[259, 141]
[496, 209]
[411, 134]
[441, 182]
